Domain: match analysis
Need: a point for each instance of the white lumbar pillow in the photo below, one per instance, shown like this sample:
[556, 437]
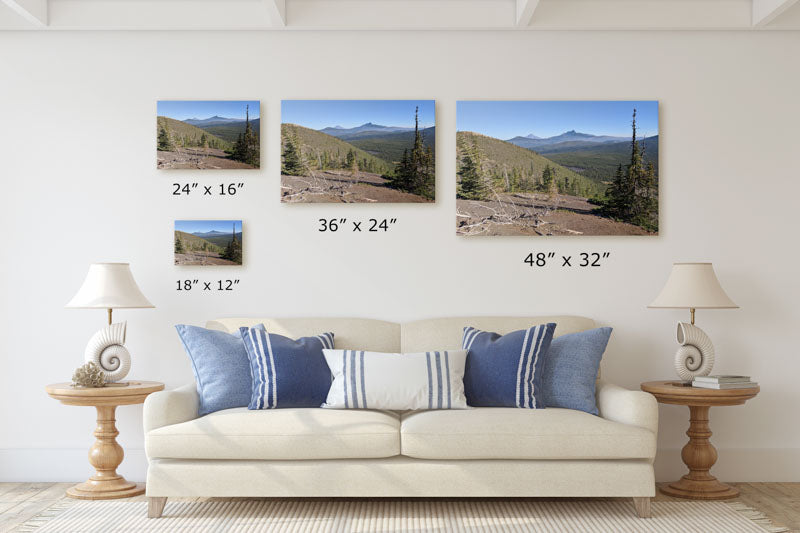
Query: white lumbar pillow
[396, 381]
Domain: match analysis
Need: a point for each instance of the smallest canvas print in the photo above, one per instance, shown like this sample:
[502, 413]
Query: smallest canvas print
[208, 242]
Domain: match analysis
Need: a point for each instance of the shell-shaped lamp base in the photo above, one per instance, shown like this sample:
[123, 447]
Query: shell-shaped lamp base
[106, 349]
[695, 357]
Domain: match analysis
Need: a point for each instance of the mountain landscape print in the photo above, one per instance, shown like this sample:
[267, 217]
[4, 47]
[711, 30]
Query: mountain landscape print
[557, 168]
[208, 242]
[208, 134]
[358, 151]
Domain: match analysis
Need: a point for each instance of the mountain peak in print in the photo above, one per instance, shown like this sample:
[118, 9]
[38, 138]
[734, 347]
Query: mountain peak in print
[211, 121]
[532, 142]
[210, 233]
[338, 131]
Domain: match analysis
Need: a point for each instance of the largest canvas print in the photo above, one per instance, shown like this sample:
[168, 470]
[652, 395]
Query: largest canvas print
[345, 151]
[557, 168]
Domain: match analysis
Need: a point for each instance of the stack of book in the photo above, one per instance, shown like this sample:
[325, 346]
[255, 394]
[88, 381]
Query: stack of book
[723, 382]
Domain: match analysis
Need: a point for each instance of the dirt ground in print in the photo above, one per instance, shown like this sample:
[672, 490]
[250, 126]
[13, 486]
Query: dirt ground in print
[340, 187]
[201, 259]
[536, 215]
[198, 158]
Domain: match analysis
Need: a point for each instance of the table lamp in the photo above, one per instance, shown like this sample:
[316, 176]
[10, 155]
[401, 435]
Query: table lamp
[109, 286]
[693, 286]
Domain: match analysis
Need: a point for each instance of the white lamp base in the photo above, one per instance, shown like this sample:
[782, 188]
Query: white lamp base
[106, 349]
[695, 357]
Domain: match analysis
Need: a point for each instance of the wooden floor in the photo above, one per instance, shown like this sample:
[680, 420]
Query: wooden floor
[21, 501]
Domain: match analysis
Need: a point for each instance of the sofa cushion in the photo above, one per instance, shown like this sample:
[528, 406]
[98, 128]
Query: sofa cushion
[510, 433]
[351, 333]
[280, 434]
[447, 333]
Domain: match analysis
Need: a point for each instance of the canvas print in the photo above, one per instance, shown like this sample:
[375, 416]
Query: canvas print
[208, 134]
[344, 151]
[557, 168]
[208, 242]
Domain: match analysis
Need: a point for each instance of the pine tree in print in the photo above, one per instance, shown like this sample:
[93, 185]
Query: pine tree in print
[233, 252]
[416, 173]
[472, 185]
[246, 149]
[292, 157]
[164, 141]
[633, 195]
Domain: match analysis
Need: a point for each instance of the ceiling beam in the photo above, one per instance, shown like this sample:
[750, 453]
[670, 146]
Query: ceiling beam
[34, 11]
[277, 9]
[765, 11]
[375, 15]
[525, 9]
[372, 15]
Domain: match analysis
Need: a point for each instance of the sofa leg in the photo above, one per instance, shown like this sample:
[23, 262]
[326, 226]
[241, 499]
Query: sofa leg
[642, 506]
[155, 506]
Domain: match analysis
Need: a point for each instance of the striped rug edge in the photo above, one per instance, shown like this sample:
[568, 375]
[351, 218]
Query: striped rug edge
[56, 510]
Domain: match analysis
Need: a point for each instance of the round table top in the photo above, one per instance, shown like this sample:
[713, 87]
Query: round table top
[114, 394]
[674, 392]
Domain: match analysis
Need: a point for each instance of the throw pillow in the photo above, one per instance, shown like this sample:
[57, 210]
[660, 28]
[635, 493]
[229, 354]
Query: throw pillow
[286, 372]
[570, 371]
[376, 380]
[506, 370]
[220, 366]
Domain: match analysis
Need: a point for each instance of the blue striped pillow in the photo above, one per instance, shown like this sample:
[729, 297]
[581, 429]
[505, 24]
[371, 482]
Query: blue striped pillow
[286, 372]
[506, 371]
[396, 381]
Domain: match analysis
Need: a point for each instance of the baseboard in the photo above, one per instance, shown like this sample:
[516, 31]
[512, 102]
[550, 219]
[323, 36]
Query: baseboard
[52, 464]
[738, 464]
[70, 465]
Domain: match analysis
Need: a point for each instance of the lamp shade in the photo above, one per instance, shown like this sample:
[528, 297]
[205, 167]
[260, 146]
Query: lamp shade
[109, 286]
[693, 286]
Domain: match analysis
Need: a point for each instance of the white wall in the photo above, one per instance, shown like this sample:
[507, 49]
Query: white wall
[79, 185]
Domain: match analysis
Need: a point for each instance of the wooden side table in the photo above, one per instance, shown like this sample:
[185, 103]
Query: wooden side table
[698, 454]
[106, 454]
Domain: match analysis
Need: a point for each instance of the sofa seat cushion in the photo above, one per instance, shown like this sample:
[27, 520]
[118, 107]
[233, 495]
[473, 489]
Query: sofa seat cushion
[509, 433]
[280, 434]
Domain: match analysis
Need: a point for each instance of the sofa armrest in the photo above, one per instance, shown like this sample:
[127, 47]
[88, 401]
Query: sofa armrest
[632, 407]
[169, 407]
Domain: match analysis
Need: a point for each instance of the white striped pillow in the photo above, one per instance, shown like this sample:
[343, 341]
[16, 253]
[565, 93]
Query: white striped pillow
[395, 381]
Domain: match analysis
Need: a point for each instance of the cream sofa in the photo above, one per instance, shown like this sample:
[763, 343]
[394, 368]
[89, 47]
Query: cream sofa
[480, 452]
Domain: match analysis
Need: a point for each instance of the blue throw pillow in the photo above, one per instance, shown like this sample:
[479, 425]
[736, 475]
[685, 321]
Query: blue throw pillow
[286, 372]
[571, 369]
[506, 371]
[220, 365]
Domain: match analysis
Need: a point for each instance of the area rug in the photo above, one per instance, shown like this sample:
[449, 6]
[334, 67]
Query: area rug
[565, 516]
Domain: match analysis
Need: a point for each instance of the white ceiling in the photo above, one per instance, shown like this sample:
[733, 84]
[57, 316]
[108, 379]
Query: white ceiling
[399, 14]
